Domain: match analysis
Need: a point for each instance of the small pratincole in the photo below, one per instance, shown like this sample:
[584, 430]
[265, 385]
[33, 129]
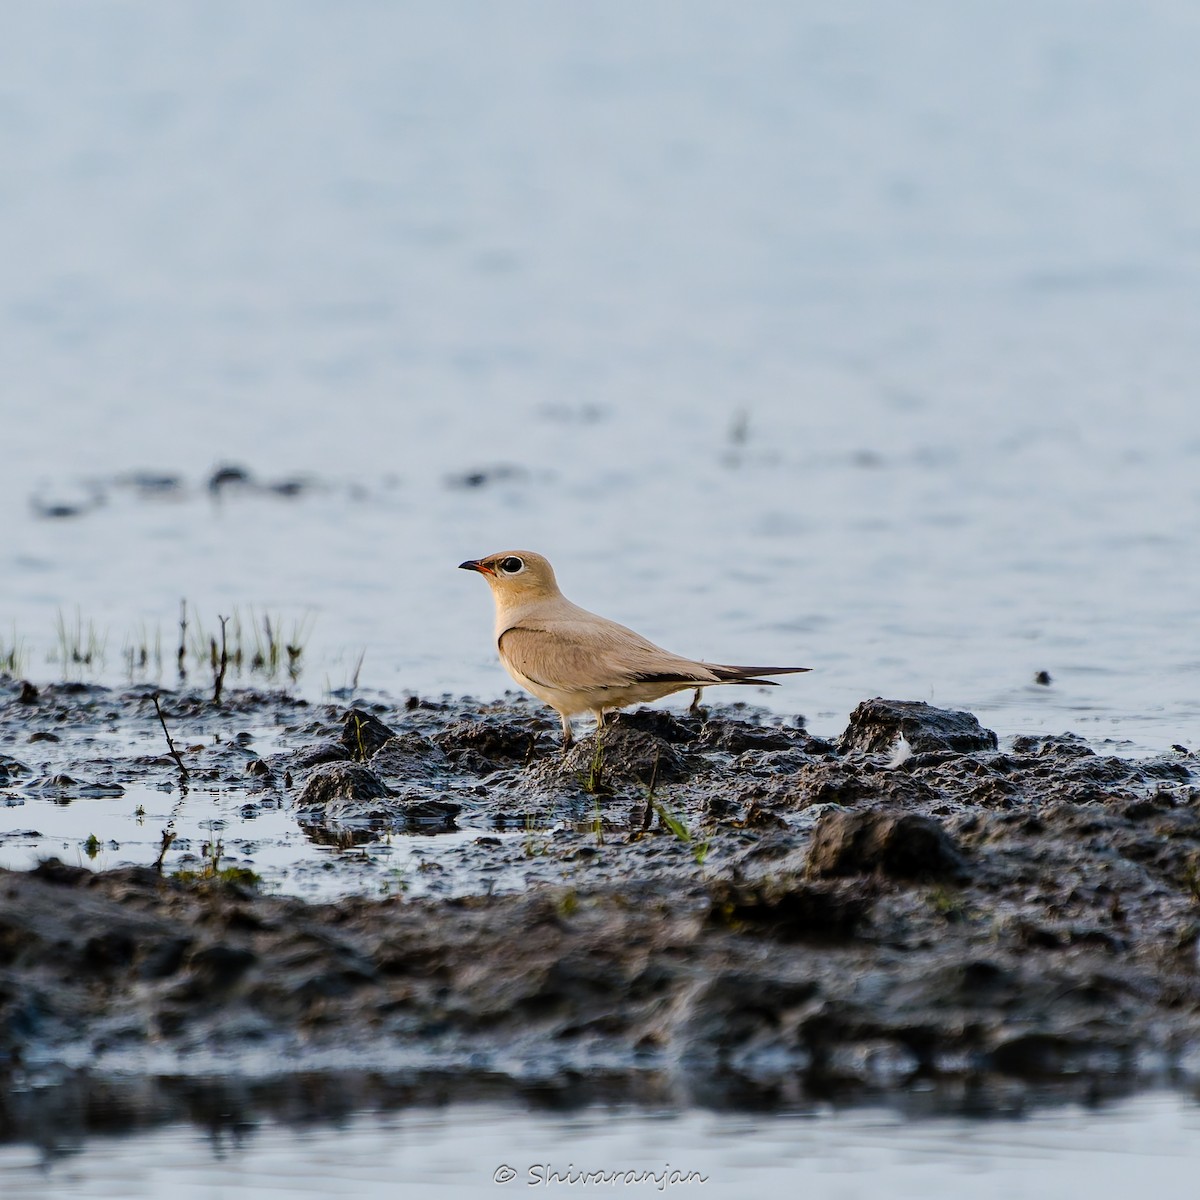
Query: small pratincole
[576, 661]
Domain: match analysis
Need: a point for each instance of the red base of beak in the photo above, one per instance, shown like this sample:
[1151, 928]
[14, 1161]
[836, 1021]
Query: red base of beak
[473, 564]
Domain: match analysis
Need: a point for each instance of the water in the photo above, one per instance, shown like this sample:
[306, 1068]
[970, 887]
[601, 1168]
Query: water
[861, 337]
[1072, 1153]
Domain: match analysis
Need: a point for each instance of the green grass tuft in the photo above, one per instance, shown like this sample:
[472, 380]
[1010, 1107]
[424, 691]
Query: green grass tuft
[676, 825]
[237, 876]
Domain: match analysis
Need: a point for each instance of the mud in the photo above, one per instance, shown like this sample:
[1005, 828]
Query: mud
[720, 899]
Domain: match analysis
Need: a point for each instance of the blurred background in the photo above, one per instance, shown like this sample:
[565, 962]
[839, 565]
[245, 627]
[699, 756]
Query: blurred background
[859, 336]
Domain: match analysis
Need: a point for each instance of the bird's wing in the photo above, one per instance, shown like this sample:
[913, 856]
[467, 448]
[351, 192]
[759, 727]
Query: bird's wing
[581, 656]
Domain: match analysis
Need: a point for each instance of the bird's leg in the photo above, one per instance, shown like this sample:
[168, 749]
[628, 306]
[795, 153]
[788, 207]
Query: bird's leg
[695, 709]
[568, 736]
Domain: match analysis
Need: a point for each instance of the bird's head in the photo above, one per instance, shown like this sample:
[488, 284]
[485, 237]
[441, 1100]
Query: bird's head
[515, 576]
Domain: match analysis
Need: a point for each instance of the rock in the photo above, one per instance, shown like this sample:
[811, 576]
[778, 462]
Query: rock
[877, 725]
[659, 723]
[348, 793]
[738, 1011]
[313, 756]
[1047, 1055]
[792, 909]
[341, 783]
[10, 769]
[109, 949]
[219, 966]
[900, 845]
[490, 741]
[841, 783]
[363, 734]
[63, 788]
[164, 958]
[53, 870]
[736, 737]
[627, 756]
[408, 757]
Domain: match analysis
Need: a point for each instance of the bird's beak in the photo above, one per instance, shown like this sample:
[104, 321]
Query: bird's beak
[473, 564]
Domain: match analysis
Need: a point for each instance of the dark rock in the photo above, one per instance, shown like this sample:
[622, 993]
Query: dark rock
[976, 983]
[349, 793]
[217, 967]
[408, 757]
[876, 726]
[110, 948]
[735, 1011]
[52, 870]
[341, 783]
[659, 723]
[313, 756]
[900, 845]
[164, 958]
[363, 734]
[10, 769]
[757, 817]
[29, 694]
[490, 739]
[1044, 1055]
[64, 788]
[823, 782]
[626, 756]
[736, 737]
[1066, 745]
[792, 909]
[832, 783]
[630, 753]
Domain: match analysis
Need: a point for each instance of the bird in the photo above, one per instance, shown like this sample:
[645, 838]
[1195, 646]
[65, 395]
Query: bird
[576, 661]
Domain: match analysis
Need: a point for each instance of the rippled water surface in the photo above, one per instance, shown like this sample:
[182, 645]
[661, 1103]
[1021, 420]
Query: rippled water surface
[864, 338]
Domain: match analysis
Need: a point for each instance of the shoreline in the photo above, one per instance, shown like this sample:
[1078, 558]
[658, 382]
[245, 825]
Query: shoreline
[725, 899]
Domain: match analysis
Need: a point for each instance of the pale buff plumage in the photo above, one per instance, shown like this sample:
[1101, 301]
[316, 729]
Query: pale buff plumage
[576, 661]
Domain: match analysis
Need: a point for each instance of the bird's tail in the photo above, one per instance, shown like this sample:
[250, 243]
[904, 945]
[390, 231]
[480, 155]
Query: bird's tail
[728, 674]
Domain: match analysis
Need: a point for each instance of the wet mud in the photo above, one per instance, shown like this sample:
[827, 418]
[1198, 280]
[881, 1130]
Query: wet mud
[719, 903]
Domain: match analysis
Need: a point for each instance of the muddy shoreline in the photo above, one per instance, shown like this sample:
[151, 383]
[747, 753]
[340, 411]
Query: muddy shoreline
[713, 909]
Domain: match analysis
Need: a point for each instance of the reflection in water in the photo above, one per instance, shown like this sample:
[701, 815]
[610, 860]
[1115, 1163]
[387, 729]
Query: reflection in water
[320, 1135]
[341, 837]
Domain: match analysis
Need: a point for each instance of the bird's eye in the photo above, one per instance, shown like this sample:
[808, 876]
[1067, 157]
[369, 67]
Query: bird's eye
[511, 565]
